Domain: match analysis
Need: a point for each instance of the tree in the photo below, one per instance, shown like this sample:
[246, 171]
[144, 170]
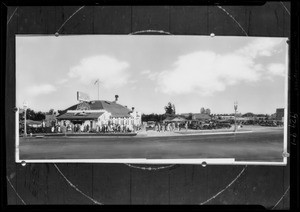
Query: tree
[202, 110]
[153, 117]
[174, 110]
[207, 111]
[170, 109]
[51, 111]
[39, 116]
[30, 114]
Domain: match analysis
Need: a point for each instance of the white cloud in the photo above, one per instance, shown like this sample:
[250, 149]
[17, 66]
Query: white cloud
[150, 74]
[145, 72]
[206, 72]
[110, 71]
[62, 81]
[42, 89]
[260, 47]
[277, 69]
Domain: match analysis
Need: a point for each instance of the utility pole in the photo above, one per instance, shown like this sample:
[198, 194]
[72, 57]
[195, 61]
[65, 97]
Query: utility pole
[235, 109]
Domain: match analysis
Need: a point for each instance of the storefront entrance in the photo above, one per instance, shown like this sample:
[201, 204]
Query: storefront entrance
[77, 122]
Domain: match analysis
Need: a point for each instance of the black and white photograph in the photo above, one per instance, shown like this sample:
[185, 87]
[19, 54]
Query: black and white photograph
[186, 106]
[151, 99]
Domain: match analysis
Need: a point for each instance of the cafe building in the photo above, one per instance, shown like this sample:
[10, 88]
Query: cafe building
[99, 113]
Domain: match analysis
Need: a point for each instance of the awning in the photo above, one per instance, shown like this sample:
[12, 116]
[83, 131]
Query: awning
[80, 116]
[178, 119]
[31, 122]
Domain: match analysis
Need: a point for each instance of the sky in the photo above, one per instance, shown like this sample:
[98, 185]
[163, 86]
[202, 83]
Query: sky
[148, 71]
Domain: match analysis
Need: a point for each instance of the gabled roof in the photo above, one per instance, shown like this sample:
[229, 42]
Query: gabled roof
[179, 119]
[81, 116]
[168, 118]
[114, 108]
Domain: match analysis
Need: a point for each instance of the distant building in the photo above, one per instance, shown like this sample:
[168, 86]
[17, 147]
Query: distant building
[280, 114]
[227, 117]
[168, 119]
[200, 116]
[273, 116]
[187, 115]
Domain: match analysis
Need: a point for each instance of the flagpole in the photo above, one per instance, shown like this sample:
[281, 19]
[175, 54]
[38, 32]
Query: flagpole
[97, 81]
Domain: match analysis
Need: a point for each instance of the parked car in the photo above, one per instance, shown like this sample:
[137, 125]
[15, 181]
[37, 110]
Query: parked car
[150, 125]
[196, 125]
[207, 126]
[268, 123]
[224, 125]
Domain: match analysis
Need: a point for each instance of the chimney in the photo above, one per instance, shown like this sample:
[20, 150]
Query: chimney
[116, 98]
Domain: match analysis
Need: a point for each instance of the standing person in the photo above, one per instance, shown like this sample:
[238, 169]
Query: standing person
[186, 126]
[63, 129]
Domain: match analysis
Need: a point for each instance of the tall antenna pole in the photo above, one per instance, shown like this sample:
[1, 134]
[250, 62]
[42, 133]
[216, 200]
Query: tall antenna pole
[97, 81]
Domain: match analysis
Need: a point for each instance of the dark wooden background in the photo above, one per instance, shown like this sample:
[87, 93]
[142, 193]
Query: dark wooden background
[119, 183]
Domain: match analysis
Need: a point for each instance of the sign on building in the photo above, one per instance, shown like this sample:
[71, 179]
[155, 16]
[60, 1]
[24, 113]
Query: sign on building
[82, 96]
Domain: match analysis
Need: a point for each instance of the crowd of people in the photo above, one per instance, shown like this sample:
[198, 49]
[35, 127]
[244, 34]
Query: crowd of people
[85, 128]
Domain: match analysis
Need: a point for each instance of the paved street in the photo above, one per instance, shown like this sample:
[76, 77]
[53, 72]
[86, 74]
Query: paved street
[261, 144]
